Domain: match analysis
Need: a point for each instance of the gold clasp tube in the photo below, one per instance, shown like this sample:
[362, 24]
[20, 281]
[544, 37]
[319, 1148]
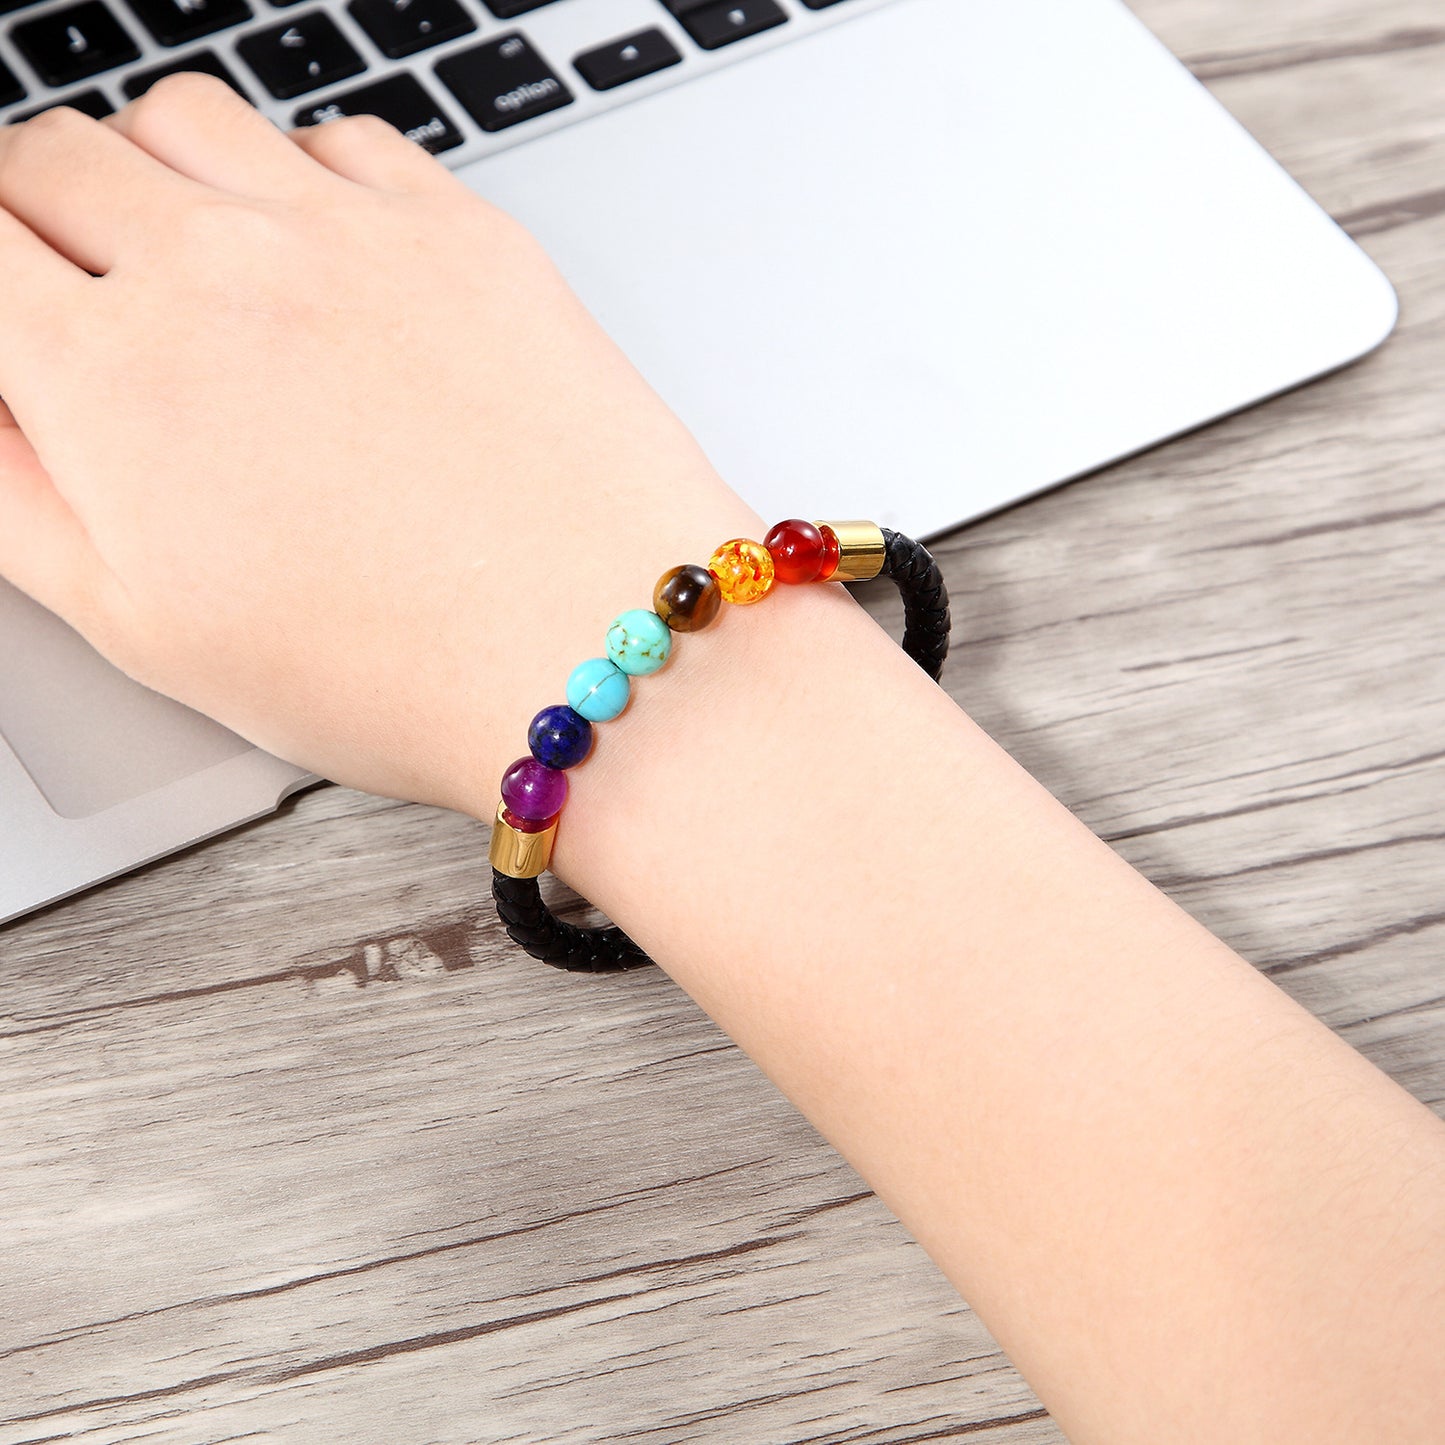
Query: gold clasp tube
[861, 550]
[519, 854]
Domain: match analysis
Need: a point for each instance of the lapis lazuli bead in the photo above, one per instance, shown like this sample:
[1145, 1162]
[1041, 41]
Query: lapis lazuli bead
[638, 641]
[597, 689]
[560, 737]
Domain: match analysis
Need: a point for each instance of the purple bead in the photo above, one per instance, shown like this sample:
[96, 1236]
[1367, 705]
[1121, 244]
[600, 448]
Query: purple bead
[531, 790]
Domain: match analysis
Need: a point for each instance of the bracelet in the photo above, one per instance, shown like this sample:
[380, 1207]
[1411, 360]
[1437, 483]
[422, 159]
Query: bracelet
[686, 599]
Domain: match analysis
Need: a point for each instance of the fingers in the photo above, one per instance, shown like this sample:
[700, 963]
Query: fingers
[365, 149]
[198, 126]
[90, 188]
[43, 547]
[83, 188]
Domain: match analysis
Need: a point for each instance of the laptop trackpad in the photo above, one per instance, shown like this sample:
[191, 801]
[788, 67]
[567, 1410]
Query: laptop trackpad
[88, 736]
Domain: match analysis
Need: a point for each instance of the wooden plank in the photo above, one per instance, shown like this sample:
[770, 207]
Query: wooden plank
[297, 1149]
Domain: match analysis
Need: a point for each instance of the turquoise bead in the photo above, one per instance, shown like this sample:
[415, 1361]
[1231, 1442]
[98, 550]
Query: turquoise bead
[597, 690]
[638, 641]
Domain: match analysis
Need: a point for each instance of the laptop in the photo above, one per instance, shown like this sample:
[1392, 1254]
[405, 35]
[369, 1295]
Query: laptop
[907, 259]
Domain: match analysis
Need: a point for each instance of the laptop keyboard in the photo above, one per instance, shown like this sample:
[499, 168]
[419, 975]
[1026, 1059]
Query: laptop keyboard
[459, 77]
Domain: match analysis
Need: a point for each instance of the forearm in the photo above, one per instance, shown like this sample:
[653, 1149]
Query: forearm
[1176, 1198]
[1186, 1209]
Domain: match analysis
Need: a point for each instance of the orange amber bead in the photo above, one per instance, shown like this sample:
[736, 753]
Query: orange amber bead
[744, 570]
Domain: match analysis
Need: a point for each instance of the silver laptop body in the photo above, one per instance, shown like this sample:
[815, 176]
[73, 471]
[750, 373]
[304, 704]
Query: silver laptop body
[906, 259]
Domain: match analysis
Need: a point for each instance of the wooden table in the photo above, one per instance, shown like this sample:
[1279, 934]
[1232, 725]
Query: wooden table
[294, 1150]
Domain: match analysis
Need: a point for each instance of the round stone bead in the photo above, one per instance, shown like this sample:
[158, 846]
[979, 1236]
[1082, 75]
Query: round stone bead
[797, 551]
[687, 598]
[532, 791]
[832, 552]
[560, 737]
[638, 642]
[597, 689]
[744, 570]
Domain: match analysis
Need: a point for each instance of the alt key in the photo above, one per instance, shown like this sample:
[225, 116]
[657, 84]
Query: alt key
[502, 82]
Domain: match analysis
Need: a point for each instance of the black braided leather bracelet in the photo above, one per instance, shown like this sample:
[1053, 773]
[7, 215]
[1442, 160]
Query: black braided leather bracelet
[685, 599]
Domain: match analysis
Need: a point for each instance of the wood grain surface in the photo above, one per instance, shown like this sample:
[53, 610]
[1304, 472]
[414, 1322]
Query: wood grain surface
[294, 1151]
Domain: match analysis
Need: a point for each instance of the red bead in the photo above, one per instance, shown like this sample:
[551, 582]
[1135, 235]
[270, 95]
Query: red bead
[832, 552]
[527, 825]
[797, 549]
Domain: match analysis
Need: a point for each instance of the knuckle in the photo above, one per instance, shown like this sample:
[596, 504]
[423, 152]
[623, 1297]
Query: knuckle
[364, 123]
[44, 129]
[188, 86]
[355, 130]
[180, 94]
[23, 147]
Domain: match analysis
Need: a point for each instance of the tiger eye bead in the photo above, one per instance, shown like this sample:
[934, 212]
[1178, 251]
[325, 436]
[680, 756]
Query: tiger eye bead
[744, 571]
[687, 598]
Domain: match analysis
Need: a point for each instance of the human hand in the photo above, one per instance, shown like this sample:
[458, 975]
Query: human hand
[304, 434]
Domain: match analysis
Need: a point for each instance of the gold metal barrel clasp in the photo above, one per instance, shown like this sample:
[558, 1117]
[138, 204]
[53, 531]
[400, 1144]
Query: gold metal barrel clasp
[861, 550]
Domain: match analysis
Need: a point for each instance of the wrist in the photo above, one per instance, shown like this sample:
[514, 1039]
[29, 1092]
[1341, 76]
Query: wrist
[596, 568]
[738, 751]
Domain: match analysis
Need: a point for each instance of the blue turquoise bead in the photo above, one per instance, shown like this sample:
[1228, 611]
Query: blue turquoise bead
[597, 690]
[560, 737]
[638, 641]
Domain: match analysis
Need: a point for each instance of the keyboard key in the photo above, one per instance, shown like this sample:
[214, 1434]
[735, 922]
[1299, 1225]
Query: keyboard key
[6, 6]
[10, 88]
[505, 9]
[178, 22]
[724, 21]
[207, 62]
[503, 82]
[88, 102]
[399, 99]
[630, 58]
[71, 44]
[303, 54]
[402, 27]
[819, 4]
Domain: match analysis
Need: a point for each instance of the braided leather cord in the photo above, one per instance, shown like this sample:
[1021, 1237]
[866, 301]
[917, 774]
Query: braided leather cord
[547, 938]
[925, 600]
[528, 920]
